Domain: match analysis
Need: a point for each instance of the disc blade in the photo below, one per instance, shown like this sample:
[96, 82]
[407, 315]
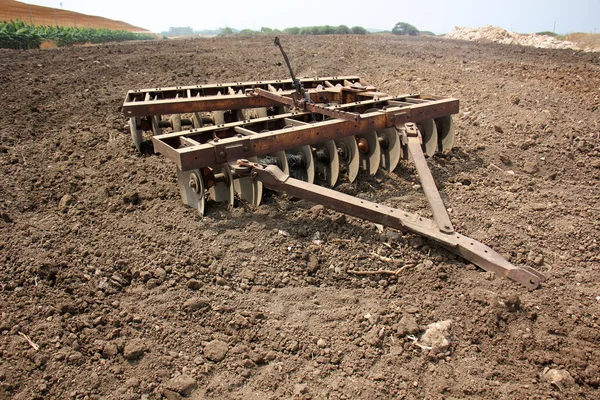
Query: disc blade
[218, 117]
[301, 163]
[223, 191]
[197, 120]
[329, 168]
[249, 190]
[175, 121]
[136, 134]
[429, 135]
[445, 127]
[156, 129]
[370, 159]
[348, 156]
[191, 187]
[390, 155]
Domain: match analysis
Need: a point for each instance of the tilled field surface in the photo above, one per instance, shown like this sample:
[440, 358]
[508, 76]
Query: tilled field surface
[129, 294]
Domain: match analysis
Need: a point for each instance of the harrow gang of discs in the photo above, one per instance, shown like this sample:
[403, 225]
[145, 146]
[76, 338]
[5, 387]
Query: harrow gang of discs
[292, 135]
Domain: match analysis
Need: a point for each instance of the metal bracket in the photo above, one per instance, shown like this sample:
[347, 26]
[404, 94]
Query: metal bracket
[230, 149]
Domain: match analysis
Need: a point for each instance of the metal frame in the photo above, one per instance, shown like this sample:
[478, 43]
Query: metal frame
[188, 149]
[321, 109]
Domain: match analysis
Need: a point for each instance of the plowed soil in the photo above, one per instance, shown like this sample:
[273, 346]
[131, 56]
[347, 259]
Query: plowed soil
[129, 294]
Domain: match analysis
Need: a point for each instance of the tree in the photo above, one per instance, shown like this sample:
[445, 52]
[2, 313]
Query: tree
[359, 30]
[404, 28]
[342, 30]
[226, 31]
[292, 31]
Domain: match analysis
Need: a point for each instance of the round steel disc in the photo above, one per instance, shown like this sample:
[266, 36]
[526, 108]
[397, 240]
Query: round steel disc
[305, 172]
[249, 190]
[369, 161]
[390, 155]
[329, 171]
[191, 187]
[136, 134]
[175, 121]
[445, 128]
[197, 120]
[218, 117]
[156, 129]
[429, 135]
[348, 156]
[223, 191]
[283, 164]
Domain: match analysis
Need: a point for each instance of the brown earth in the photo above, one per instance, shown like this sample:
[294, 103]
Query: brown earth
[11, 10]
[130, 294]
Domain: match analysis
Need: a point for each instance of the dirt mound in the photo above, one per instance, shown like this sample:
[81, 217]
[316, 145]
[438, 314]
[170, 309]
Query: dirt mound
[48, 16]
[499, 35]
[129, 294]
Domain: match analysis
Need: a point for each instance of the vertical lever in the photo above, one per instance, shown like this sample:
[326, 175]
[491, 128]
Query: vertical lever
[298, 85]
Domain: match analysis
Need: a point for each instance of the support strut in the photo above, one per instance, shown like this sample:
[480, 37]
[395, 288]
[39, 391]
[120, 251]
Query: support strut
[469, 249]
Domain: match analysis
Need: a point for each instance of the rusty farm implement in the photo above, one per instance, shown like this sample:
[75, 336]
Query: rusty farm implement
[302, 136]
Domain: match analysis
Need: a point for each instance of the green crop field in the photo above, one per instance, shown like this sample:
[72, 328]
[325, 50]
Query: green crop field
[18, 35]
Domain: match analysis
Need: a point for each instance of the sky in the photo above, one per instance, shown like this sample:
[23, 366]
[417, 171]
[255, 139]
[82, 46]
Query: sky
[437, 16]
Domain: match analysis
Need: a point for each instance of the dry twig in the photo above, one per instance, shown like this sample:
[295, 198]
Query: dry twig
[31, 343]
[381, 271]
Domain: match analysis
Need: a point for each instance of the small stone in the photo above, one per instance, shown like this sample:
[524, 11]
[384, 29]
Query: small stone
[145, 276]
[531, 168]
[247, 273]
[132, 198]
[134, 349]
[595, 163]
[171, 395]
[110, 350]
[312, 263]
[65, 202]
[293, 346]
[300, 389]
[514, 100]
[436, 336]
[196, 303]
[539, 260]
[182, 384]
[407, 326]
[75, 356]
[152, 283]
[513, 303]
[160, 274]
[558, 377]
[498, 129]
[245, 246]
[221, 281]
[216, 350]
[322, 343]
[194, 284]
[505, 159]
[132, 382]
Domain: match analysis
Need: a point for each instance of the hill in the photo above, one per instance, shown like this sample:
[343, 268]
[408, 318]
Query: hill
[38, 15]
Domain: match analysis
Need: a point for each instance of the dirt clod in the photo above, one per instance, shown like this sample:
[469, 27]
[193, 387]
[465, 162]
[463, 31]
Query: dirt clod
[182, 384]
[196, 303]
[216, 350]
[134, 349]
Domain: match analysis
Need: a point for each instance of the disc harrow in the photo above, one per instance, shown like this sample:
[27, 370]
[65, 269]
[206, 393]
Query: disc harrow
[304, 136]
